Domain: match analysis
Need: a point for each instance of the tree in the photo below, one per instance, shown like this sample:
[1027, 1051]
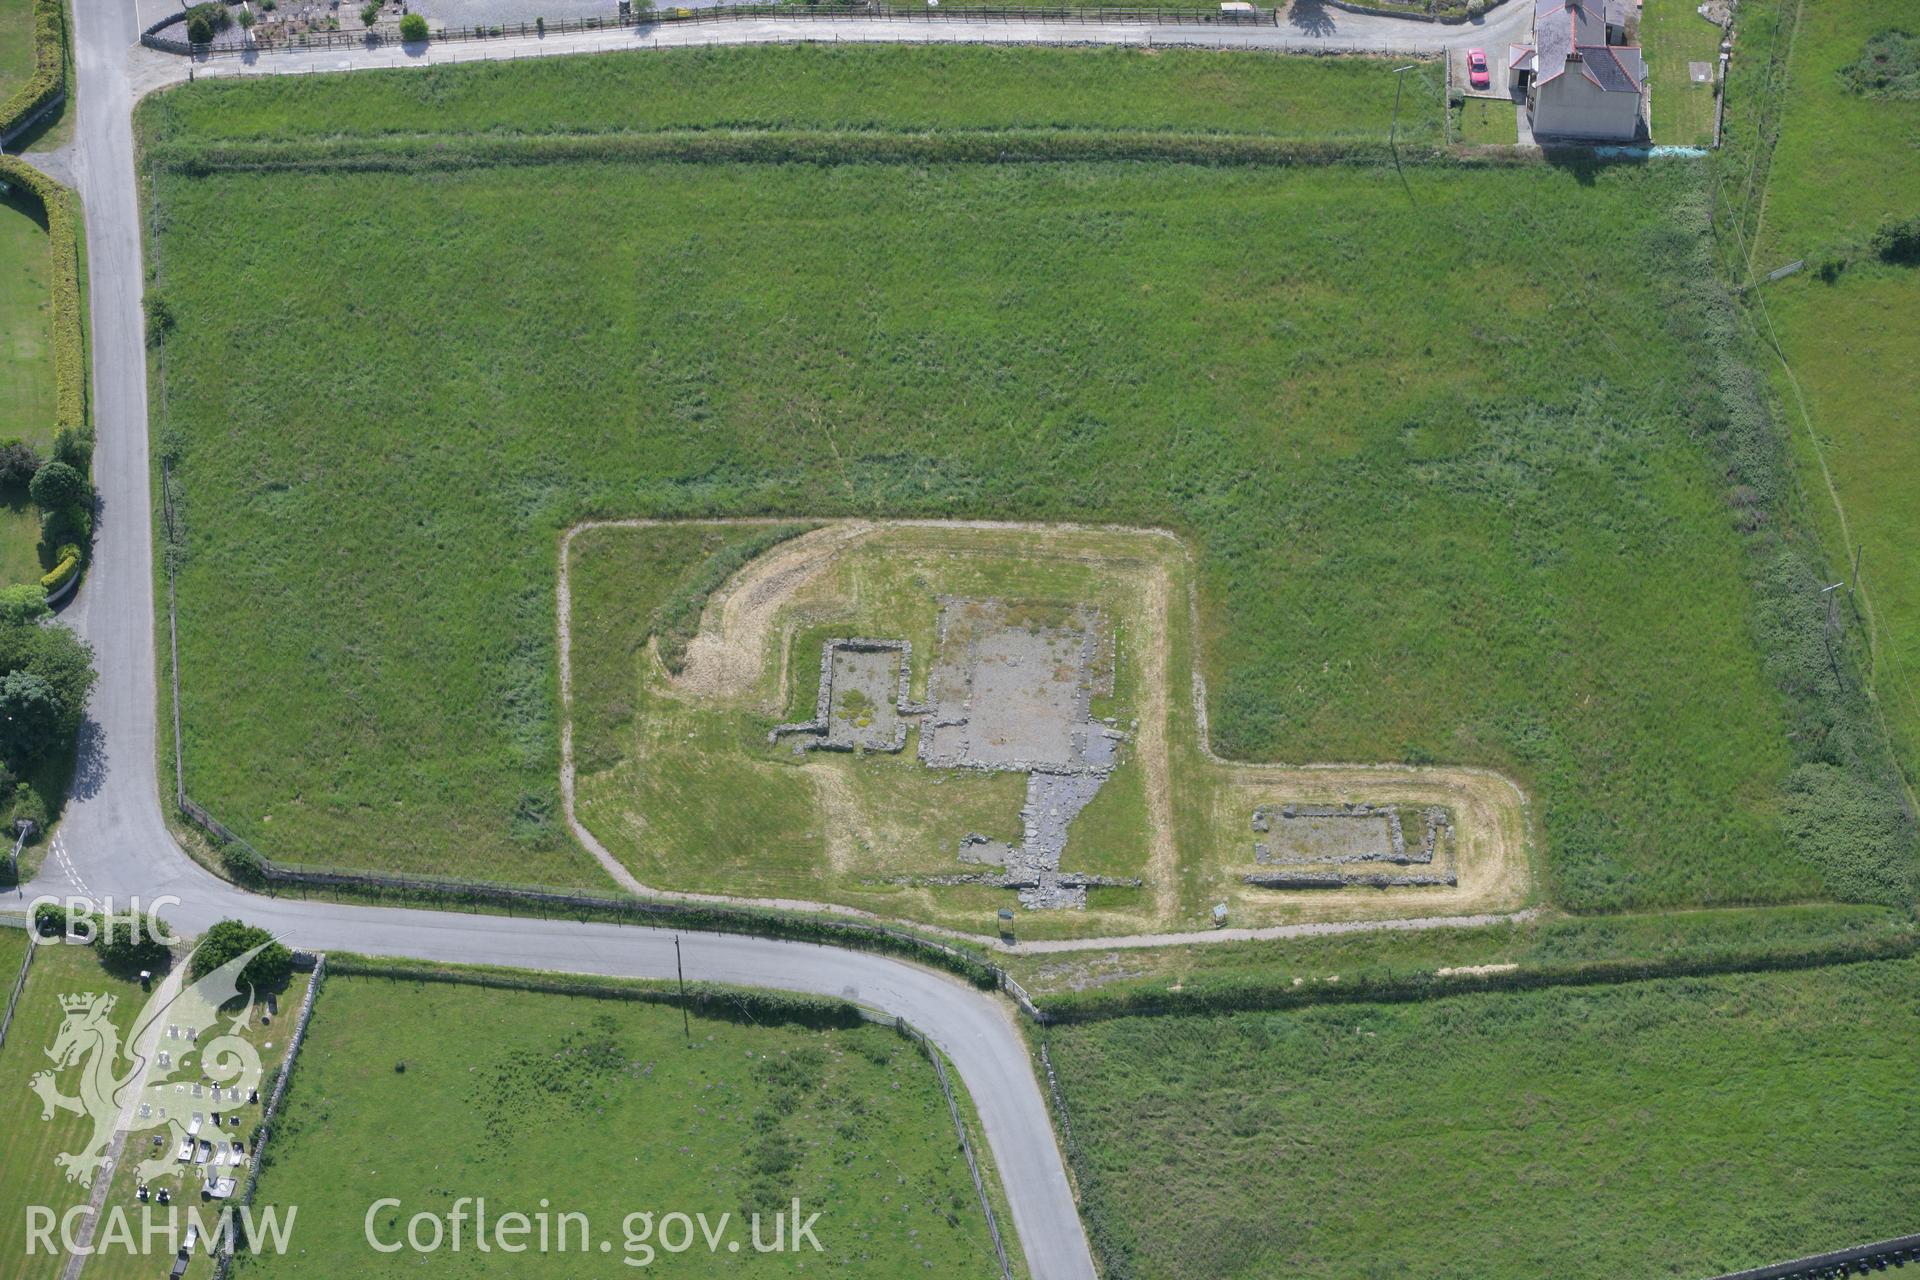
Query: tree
[269, 970]
[21, 605]
[370, 13]
[18, 462]
[413, 28]
[130, 943]
[30, 717]
[205, 21]
[57, 485]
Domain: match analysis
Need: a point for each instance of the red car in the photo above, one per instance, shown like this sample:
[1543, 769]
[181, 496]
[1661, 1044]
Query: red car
[1477, 68]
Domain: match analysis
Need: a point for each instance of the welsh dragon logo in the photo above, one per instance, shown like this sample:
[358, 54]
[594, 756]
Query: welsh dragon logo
[132, 1085]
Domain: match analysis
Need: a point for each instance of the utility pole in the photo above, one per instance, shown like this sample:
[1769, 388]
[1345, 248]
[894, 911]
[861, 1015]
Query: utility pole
[686, 1023]
[1393, 129]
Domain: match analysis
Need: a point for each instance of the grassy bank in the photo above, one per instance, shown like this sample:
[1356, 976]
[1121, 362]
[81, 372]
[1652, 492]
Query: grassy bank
[406, 1089]
[1670, 1128]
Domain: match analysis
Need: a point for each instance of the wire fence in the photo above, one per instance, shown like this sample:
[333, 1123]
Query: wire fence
[19, 984]
[966, 1146]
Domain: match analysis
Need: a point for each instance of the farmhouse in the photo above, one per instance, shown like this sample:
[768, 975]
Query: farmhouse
[1580, 76]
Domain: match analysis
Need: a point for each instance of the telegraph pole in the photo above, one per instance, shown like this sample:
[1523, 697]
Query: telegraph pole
[686, 1023]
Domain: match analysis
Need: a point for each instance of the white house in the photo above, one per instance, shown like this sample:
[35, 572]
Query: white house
[1580, 76]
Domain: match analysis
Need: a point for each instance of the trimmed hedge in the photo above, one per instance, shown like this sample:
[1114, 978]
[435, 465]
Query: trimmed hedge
[49, 79]
[61, 573]
[709, 1000]
[69, 340]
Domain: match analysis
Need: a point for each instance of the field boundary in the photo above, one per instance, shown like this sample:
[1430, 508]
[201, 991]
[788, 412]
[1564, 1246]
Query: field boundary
[19, 982]
[1814, 1265]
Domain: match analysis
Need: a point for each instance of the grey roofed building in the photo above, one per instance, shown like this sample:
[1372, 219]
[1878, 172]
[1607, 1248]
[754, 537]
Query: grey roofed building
[1580, 77]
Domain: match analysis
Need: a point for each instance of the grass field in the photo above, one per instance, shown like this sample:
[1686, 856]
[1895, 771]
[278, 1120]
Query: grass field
[16, 50]
[1850, 341]
[26, 326]
[824, 87]
[514, 1096]
[1678, 1128]
[1478, 527]
[1672, 34]
[28, 1145]
[1486, 120]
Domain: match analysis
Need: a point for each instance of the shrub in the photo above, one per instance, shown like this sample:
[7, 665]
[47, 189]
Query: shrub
[232, 938]
[28, 804]
[370, 13]
[1889, 67]
[23, 604]
[18, 462]
[243, 865]
[1898, 240]
[159, 317]
[68, 526]
[413, 28]
[55, 920]
[74, 446]
[56, 486]
[205, 21]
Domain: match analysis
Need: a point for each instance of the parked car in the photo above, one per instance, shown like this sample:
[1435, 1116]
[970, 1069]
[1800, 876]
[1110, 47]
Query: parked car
[1477, 69]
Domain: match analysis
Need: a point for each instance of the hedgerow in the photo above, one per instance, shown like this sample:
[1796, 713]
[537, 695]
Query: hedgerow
[440, 154]
[49, 78]
[709, 1000]
[69, 343]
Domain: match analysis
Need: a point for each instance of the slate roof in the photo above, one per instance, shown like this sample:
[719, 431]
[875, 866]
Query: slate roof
[1576, 31]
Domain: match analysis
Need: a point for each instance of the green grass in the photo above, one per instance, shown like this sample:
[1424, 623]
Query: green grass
[1488, 121]
[823, 87]
[1678, 1128]
[600, 1106]
[16, 51]
[1856, 354]
[1672, 34]
[1490, 535]
[28, 1174]
[26, 326]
